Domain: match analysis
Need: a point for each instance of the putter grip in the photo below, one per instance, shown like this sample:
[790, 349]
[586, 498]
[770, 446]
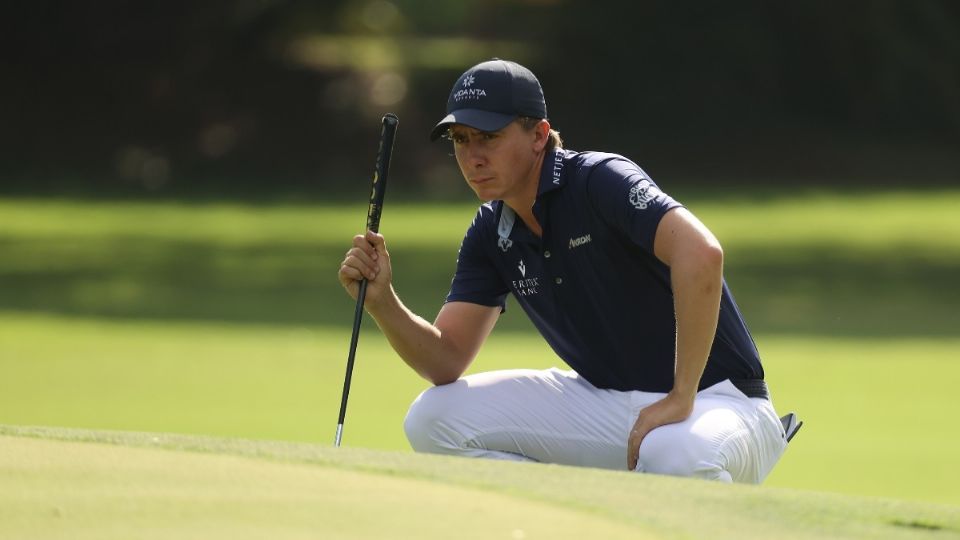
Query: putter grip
[387, 135]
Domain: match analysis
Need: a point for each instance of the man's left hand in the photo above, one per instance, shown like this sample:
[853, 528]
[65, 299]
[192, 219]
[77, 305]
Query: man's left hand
[671, 409]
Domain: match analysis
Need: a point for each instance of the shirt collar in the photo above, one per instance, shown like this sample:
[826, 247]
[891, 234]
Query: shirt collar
[552, 171]
[551, 177]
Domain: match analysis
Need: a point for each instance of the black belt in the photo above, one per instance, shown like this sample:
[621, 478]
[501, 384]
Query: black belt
[752, 387]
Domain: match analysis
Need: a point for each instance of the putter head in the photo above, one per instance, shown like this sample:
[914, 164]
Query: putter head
[791, 425]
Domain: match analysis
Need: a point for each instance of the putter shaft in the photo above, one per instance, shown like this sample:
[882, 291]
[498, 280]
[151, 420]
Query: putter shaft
[354, 338]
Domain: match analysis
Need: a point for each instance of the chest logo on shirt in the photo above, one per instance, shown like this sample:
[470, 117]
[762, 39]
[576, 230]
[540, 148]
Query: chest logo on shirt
[580, 240]
[642, 194]
[504, 243]
[526, 286]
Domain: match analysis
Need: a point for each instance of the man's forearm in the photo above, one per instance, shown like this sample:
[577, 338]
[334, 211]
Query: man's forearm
[419, 343]
[697, 281]
[414, 339]
[696, 278]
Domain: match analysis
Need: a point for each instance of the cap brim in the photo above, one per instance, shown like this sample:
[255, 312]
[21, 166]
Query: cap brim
[475, 118]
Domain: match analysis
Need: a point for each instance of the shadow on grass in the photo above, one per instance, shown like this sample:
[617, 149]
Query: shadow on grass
[818, 290]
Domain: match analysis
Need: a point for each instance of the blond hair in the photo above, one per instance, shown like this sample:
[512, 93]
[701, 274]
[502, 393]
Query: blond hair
[553, 138]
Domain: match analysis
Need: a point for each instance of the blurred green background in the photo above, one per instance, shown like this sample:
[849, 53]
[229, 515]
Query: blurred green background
[179, 181]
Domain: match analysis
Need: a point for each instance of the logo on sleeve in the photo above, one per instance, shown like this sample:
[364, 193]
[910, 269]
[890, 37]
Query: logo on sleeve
[642, 194]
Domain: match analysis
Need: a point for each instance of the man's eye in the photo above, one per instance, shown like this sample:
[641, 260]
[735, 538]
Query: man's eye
[489, 136]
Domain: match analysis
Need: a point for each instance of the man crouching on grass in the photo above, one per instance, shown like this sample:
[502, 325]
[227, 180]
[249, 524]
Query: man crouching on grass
[624, 283]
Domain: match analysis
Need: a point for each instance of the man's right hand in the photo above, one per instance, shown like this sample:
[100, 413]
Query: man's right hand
[439, 352]
[368, 258]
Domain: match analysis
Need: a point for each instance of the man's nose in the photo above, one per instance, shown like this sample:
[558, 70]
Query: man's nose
[475, 153]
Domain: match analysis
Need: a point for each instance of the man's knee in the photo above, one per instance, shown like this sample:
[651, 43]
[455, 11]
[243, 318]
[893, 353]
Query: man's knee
[677, 451]
[425, 424]
[673, 457]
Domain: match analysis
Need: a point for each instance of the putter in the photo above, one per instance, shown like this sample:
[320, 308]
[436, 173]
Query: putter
[387, 133]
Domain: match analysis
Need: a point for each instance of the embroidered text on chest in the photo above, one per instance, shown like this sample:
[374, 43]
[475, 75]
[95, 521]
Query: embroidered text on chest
[526, 286]
[580, 240]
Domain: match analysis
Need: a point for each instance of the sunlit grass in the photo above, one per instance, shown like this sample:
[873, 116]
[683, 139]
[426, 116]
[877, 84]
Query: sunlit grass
[864, 411]
[70, 483]
[866, 221]
[863, 220]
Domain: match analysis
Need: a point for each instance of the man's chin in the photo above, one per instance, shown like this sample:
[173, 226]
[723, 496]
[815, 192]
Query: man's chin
[485, 196]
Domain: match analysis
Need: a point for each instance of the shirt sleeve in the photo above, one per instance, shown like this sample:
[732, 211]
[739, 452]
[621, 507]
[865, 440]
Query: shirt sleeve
[628, 200]
[476, 279]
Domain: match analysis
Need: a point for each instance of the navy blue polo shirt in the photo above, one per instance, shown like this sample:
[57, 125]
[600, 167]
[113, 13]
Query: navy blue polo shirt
[591, 283]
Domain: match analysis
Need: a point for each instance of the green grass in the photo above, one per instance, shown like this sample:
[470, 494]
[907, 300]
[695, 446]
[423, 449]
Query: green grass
[866, 432]
[82, 484]
[864, 264]
[227, 320]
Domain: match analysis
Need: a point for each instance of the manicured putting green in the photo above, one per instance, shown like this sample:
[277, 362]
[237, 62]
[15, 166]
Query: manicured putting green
[81, 490]
[82, 484]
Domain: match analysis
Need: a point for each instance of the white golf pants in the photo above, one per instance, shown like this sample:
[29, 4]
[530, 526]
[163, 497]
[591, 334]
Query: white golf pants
[555, 416]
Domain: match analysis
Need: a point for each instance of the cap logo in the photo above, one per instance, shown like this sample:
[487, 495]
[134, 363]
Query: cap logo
[467, 93]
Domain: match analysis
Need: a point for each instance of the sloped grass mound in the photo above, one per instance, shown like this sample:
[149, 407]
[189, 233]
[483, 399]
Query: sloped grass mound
[59, 483]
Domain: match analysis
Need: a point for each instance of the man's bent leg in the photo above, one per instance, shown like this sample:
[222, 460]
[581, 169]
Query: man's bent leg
[728, 437]
[550, 416]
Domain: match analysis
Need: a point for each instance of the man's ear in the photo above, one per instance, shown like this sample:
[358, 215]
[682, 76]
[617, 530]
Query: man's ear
[541, 135]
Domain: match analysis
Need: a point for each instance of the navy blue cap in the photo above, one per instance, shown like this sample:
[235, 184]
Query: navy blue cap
[492, 94]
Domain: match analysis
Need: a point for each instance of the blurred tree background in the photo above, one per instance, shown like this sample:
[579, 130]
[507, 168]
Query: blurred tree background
[272, 97]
